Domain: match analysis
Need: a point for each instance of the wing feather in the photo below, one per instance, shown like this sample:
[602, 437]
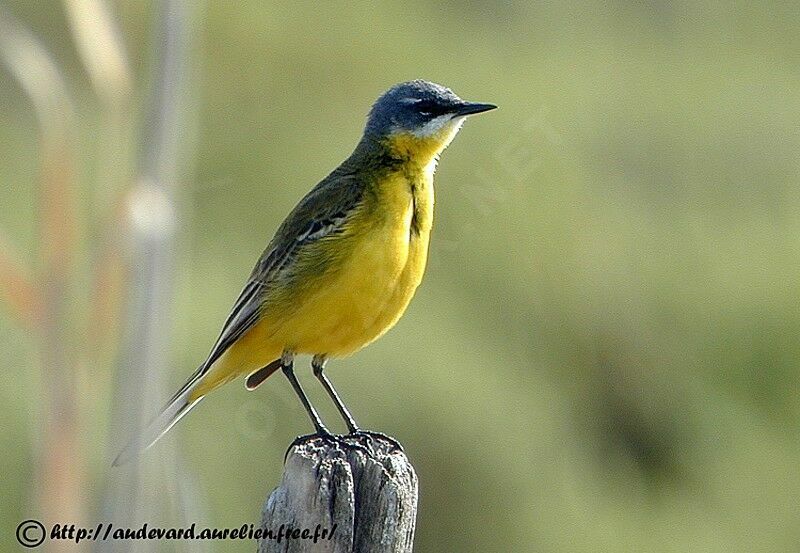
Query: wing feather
[321, 213]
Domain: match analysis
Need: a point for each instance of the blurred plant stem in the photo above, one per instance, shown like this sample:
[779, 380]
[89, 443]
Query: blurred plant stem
[150, 216]
[101, 50]
[61, 465]
[17, 288]
[131, 263]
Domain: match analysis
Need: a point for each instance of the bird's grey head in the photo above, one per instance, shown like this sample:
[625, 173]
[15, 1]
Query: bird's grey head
[420, 108]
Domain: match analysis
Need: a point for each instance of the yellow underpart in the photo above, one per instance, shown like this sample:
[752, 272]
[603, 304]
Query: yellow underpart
[382, 262]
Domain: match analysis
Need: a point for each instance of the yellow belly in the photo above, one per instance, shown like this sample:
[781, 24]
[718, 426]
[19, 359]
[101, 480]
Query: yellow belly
[366, 299]
[353, 306]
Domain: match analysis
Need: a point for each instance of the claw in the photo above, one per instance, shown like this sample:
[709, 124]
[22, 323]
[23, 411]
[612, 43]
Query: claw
[369, 436]
[297, 441]
[335, 439]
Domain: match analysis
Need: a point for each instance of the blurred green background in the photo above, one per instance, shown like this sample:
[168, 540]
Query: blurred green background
[604, 353]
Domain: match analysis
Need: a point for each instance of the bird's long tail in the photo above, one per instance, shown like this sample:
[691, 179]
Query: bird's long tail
[180, 404]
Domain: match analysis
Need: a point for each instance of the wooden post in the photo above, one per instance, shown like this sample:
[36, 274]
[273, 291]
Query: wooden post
[360, 491]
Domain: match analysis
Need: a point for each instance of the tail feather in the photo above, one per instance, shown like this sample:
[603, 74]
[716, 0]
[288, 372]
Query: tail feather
[180, 404]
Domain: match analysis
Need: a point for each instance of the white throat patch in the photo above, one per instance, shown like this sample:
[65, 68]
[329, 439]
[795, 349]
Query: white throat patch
[445, 125]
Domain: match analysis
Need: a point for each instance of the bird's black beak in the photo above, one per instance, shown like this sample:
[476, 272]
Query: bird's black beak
[471, 108]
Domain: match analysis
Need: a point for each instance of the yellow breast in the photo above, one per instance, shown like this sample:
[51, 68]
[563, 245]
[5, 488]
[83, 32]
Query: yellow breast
[372, 288]
[359, 301]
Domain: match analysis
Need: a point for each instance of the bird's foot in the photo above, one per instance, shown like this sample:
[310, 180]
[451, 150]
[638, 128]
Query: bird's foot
[370, 436]
[327, 437]
[297, 441]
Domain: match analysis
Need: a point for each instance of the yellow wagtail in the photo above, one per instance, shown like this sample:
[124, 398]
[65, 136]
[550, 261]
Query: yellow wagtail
[345, 263]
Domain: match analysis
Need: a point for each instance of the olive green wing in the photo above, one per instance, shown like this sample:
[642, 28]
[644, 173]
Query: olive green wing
[322, 213]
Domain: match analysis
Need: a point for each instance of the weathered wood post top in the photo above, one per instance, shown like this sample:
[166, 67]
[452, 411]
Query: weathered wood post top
[351, 494]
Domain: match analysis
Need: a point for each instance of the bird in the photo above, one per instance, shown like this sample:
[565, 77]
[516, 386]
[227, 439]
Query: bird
[344, 264]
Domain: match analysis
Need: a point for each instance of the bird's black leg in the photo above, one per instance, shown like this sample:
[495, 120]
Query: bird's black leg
[287, 364]
[318, 365]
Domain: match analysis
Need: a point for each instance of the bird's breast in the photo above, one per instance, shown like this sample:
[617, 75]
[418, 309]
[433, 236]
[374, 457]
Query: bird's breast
[371, 288]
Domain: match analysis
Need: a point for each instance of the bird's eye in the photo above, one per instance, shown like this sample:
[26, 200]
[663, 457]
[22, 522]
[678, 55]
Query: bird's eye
[426, 108]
